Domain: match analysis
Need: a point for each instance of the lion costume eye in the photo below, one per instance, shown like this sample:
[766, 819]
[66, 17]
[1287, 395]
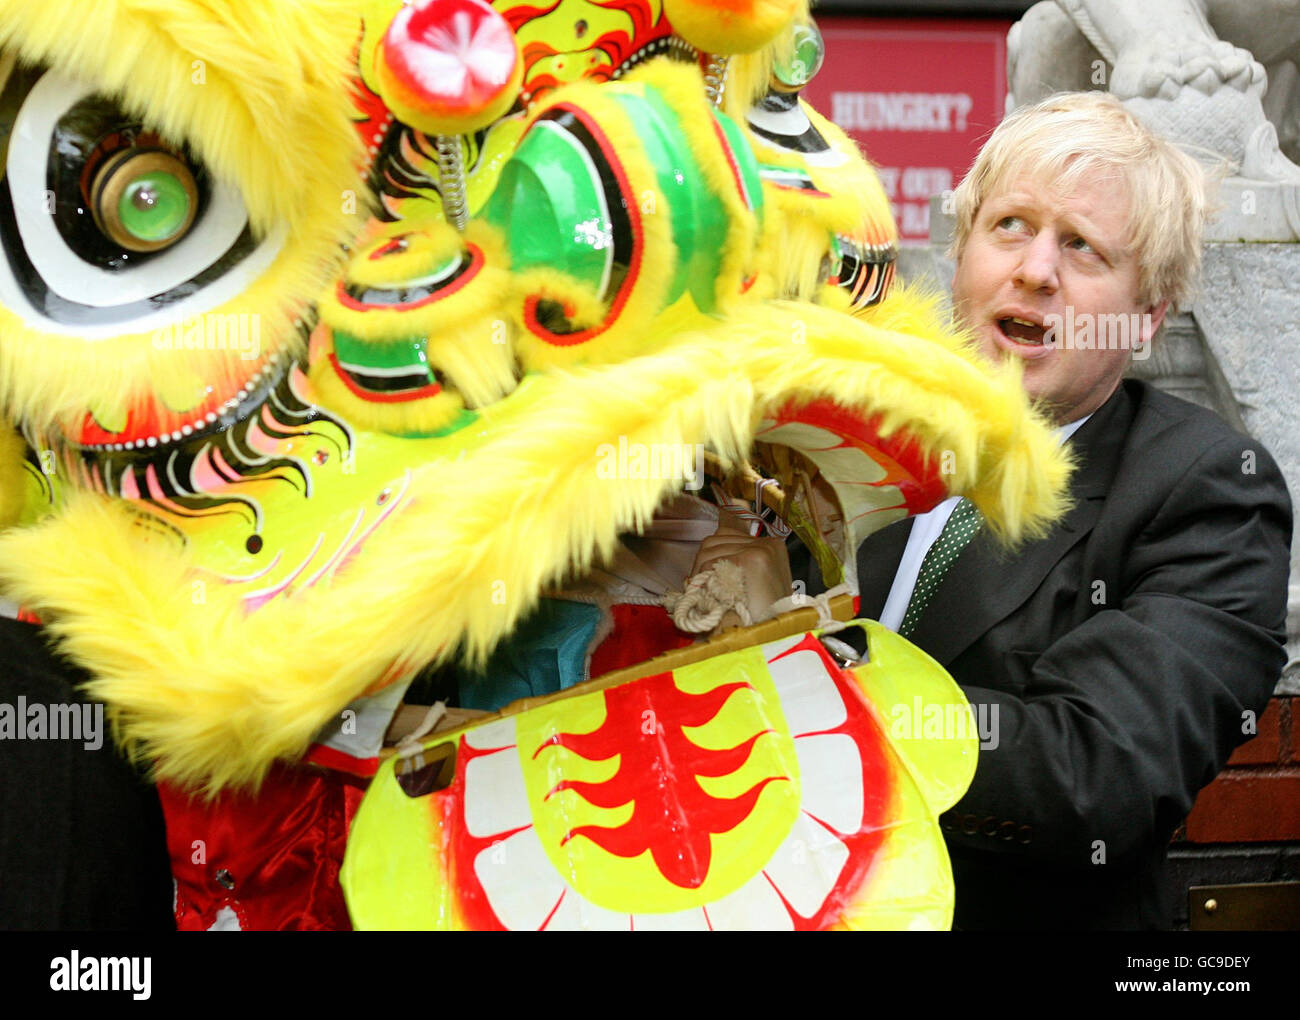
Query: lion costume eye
[108, 227]
[144, 199]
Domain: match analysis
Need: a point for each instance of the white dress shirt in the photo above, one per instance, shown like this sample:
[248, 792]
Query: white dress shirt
[925, 531]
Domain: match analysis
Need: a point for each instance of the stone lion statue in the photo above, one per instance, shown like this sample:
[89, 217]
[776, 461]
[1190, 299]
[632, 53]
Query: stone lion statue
[1220, 76]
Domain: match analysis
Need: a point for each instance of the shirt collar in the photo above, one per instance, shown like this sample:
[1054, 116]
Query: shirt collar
[1064, 432]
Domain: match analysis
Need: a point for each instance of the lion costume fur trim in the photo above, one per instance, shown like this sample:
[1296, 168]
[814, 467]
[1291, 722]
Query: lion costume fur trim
[215, 695]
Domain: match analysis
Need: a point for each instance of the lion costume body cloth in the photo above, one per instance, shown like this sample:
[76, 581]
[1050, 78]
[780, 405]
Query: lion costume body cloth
[342, 349]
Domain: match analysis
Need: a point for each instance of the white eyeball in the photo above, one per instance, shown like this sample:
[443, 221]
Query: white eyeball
[107, 228]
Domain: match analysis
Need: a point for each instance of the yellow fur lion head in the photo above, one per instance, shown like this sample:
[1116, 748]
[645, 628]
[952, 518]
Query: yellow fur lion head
[294, 432]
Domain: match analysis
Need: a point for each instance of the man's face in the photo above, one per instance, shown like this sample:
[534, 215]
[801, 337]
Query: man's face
[1039, 258]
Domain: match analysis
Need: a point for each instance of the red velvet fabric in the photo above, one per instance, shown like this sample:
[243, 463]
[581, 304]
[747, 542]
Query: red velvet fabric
[273, 858]
[640, 633]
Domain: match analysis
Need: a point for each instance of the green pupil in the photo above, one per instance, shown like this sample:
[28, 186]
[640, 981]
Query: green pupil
[154, 206]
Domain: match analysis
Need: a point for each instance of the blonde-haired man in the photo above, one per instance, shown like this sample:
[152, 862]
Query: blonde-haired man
[1071, 212]
[1113, 663]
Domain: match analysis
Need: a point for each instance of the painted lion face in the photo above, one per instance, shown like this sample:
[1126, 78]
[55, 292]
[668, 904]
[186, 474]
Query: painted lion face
[321, 326]
[294, 433]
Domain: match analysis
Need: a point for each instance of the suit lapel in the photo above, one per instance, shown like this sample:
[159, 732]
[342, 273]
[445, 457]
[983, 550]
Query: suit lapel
[986, 583]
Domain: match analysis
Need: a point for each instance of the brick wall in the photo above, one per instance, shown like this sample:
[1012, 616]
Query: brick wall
[1245, 826]
[1257, 797]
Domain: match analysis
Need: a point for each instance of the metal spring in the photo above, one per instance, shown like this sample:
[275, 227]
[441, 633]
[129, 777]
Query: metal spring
[715, 78]
[451, 181]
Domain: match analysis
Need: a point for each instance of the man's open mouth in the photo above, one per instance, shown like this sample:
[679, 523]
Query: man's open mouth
[1022, 331]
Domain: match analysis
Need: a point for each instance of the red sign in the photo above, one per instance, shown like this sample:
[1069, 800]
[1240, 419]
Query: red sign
[919, 95]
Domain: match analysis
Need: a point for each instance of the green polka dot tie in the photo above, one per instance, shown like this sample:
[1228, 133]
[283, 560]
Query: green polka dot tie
[961, 527]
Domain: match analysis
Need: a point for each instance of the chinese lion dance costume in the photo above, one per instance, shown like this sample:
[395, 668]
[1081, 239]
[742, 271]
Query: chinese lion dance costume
[334, 339]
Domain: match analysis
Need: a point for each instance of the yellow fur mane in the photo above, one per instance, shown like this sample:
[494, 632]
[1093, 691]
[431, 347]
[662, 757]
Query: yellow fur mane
[216, 695]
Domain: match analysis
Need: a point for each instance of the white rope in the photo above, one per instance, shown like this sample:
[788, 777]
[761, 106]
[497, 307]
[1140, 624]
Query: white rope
[709, 596]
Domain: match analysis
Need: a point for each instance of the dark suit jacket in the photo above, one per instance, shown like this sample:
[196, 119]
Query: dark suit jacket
[82, 841]
[1120, 652]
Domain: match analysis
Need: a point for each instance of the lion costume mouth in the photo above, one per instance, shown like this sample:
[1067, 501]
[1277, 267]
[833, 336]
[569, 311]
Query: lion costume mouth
[821, 781]
[411, 455]
[788, 810]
